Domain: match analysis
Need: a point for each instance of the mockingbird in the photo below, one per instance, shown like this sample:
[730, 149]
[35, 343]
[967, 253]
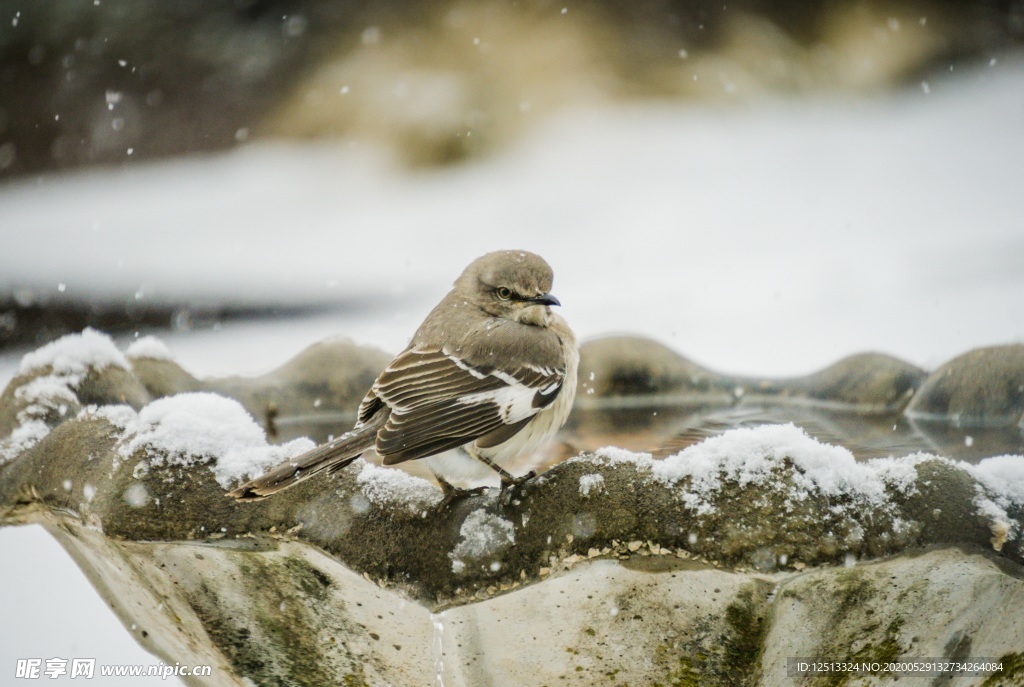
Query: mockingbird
[488, 378]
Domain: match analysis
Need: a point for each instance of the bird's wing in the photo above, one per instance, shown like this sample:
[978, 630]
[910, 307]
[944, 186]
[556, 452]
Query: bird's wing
[438, 401]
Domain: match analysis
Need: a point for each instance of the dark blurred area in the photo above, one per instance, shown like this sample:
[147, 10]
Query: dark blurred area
[44, 319]
[116, 81]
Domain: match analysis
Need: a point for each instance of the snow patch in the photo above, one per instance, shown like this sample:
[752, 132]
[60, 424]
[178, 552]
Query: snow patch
[24, 437]
[613, 455]
[149, 347]
[482, 534]
[121, 416]
[68, 360]
[49, 391]
[192, 428]
[591, 483]
[136, 495]
[1000, 523]
[901, 473]
[1002, 476]
[383, 486]
[42, 398]
[1000, 487]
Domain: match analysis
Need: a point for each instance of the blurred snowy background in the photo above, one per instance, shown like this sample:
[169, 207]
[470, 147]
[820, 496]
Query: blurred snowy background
[763, 186]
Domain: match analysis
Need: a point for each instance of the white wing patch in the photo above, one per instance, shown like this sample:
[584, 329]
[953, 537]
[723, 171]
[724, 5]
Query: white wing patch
[514, 401]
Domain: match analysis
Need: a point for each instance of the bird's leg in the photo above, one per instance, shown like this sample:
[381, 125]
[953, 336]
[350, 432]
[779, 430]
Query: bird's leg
[507, 480]
[452, 493]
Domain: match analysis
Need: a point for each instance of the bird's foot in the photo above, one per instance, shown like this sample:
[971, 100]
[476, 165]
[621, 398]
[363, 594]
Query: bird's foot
[451, 494]
[510, 485]
[508, 481]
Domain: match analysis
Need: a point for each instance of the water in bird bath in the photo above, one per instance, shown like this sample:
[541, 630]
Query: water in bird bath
[664, 430]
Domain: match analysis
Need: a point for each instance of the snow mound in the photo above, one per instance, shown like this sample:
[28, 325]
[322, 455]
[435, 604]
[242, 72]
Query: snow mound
[74, 354]
[149, 347]
[482, 535]
[384, 486]
[192, 428]
[755, 455]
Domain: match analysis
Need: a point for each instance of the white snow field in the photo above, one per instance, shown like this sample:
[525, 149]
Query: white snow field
[759, 239]
[769, 239]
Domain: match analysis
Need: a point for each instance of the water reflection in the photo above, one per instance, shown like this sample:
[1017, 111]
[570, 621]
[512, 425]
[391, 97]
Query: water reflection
[666, 430]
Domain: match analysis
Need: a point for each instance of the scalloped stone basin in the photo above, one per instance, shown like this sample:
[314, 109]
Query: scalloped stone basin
[747, 545]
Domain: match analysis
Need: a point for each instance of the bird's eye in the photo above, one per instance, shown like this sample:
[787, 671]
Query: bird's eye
[504, 293]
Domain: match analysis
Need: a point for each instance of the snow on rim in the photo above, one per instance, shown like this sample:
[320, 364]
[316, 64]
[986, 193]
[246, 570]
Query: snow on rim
[1000, 487]
[25, 436]
[74, 354]
[749, 455]
[1002, 476]
[754, 455]
[191, 428]
[383, 485]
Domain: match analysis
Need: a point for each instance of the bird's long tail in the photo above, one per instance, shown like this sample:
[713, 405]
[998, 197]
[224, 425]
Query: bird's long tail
[332, 456]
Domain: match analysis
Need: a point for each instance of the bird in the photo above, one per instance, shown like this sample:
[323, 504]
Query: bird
[487, 379]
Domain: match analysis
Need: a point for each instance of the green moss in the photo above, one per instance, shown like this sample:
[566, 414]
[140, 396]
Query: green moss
[853, 591]
[287, 664]
[295, 646]
[853, 618]
[887, 649]
[1011, 675]
[745, 640]
[684, 675]
[233, 641]
[313, 582]
[718, 656]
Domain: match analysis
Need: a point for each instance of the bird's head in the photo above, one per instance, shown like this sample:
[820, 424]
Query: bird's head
[510, 284]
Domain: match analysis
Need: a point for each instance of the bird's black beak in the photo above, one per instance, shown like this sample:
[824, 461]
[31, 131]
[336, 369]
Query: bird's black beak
[544, 299]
